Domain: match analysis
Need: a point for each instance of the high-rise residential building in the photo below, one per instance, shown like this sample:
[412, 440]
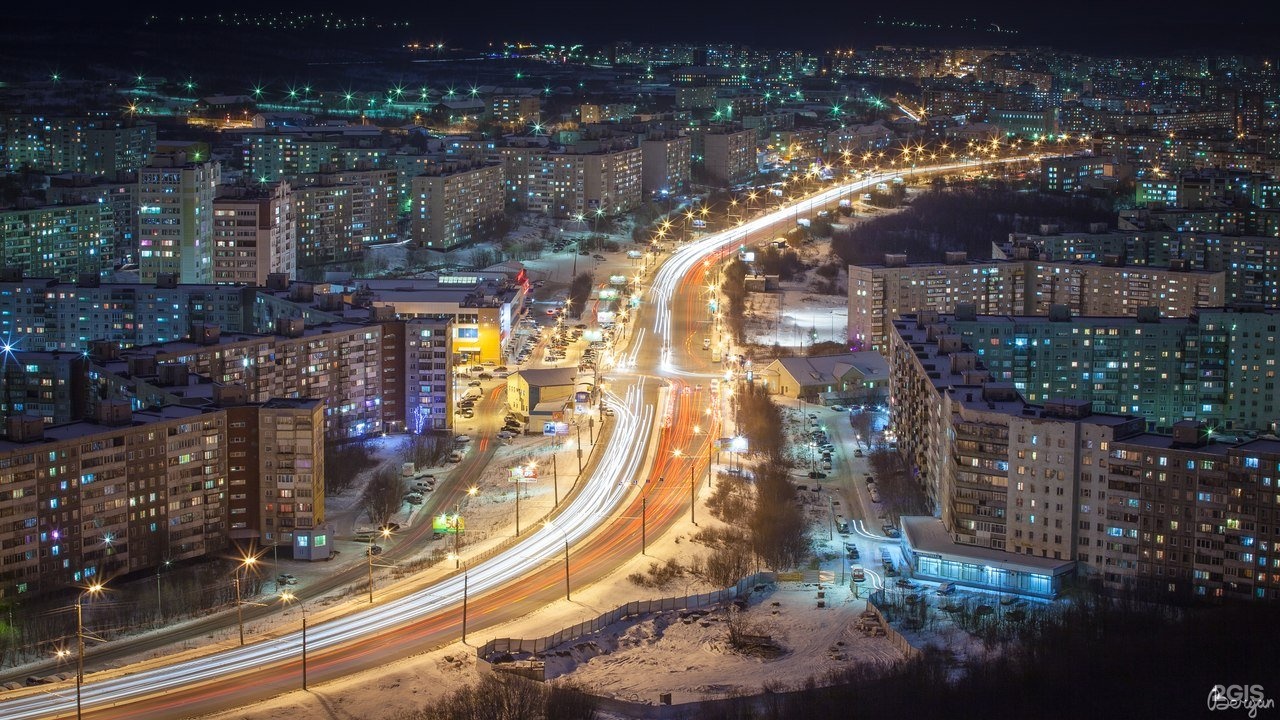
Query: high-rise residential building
[1068, 174]
[516, 111]
[452, 207]
[98, 498]
[728, 155]
[118, 192]
[52, 386]
[90, 145]
[880, 293]
[339, 213]
[255, 234]
[1251, 264]
[275, 473]
[1216, 366]
[666, 164]
[175, 214]
[282, 156]
[45, 314]
[428, 357]
[60, 241]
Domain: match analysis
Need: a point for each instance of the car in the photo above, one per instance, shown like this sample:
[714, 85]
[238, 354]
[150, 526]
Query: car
[500, 368]
[286, 579]
[838, 408]
[859, 575]
[413, 498]
[422, 487]
[584, 252]
[468, 415]
[597, 257]
[608, 411]
[373, 550]
[485, 376]
[460, 411]
[477, 368]
[890, 530]
[816, 475]
[474, 383]
[551, 312]
[506, 434]
[462, 439]
[455, 457]
[813, 416]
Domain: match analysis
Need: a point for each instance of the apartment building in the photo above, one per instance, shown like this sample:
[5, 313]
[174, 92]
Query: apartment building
[255, 234]
[98, 498]
[728, 155]
[90, 145]
[119, 193]
[453, 207]
[175, 214]
[62, 241]
[339, 213]
[880, 293]
[516, 111]
[46, 314]
[665, 165]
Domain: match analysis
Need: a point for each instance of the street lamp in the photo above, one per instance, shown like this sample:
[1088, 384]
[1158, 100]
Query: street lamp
[159, 605]
[384, 533]
[465, 571]
[286, 597]
[93, 590]
[246, 562]
[549, 524]
[457, 515]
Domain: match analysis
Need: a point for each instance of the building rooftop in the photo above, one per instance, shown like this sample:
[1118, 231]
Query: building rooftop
[88, 428]
[926, 535]
[548, 377]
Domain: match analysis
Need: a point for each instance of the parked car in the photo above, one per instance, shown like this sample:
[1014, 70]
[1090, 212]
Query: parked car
[413, 499]
[500, 368]
[455, 457]
[373, 550]
[838, 408]
[474, 383]
[286, 579]
[477, 368]
[890, 530]
[817, 475]
[597, 257]
[462, 439]
[506, 435]
[485, 376]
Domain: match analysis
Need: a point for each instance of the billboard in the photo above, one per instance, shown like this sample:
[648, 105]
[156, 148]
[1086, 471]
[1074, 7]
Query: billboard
[582, 397]
[548, 429]
[562, 428]
[447, 523]
[593, 335]
[617, 279]
[605, 317]
[608, 293]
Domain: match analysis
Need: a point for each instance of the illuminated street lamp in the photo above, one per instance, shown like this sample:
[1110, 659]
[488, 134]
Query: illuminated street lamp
[246, 562]
[286, 597]
[93, 590]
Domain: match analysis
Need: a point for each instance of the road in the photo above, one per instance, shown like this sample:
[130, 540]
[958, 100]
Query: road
[517, 580]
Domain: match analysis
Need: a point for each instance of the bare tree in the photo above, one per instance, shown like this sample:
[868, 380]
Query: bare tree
[383, 496]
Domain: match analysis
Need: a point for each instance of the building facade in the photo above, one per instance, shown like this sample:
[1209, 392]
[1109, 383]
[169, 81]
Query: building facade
[175, 217]
[255, 234]
[459, 207]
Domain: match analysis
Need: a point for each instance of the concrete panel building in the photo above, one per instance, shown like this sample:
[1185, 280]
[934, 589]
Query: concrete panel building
[456, 207]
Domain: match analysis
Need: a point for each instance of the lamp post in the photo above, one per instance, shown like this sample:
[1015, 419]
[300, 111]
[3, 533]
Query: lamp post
[93, 590]
[384, 533]
[549, 524]
[465, 571]
[159, 605]
[457, 519]
[246, 562]
[285, 597]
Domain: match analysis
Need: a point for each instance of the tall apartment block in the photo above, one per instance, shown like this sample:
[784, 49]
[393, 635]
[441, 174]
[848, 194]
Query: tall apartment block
[175, 216]
[89, 145]
[255, 234]
[455, 207]
[125, 492]
[728, 155]
[119, 193]
[1028, 494]
[880, 293]
[515, 111]
[61, 241]
[666, 164]
[341, 212]
[1251, 264]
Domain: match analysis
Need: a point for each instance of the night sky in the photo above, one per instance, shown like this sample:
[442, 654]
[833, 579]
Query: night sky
[1159, 28]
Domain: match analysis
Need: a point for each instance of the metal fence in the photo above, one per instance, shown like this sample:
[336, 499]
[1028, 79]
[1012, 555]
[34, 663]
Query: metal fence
[513, 646]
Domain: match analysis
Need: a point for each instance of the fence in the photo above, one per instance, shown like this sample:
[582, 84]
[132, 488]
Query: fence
[512, 646]
[874, 601]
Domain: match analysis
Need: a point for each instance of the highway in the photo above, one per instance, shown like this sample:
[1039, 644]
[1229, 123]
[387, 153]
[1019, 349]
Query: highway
[525, 576]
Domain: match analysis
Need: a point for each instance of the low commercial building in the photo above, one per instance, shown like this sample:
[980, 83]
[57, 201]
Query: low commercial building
[529, 390]
[829, 379]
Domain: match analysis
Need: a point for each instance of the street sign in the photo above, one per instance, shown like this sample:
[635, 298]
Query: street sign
[548, 429]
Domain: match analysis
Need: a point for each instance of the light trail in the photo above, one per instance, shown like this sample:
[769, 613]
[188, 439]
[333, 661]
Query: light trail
[602, 492]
